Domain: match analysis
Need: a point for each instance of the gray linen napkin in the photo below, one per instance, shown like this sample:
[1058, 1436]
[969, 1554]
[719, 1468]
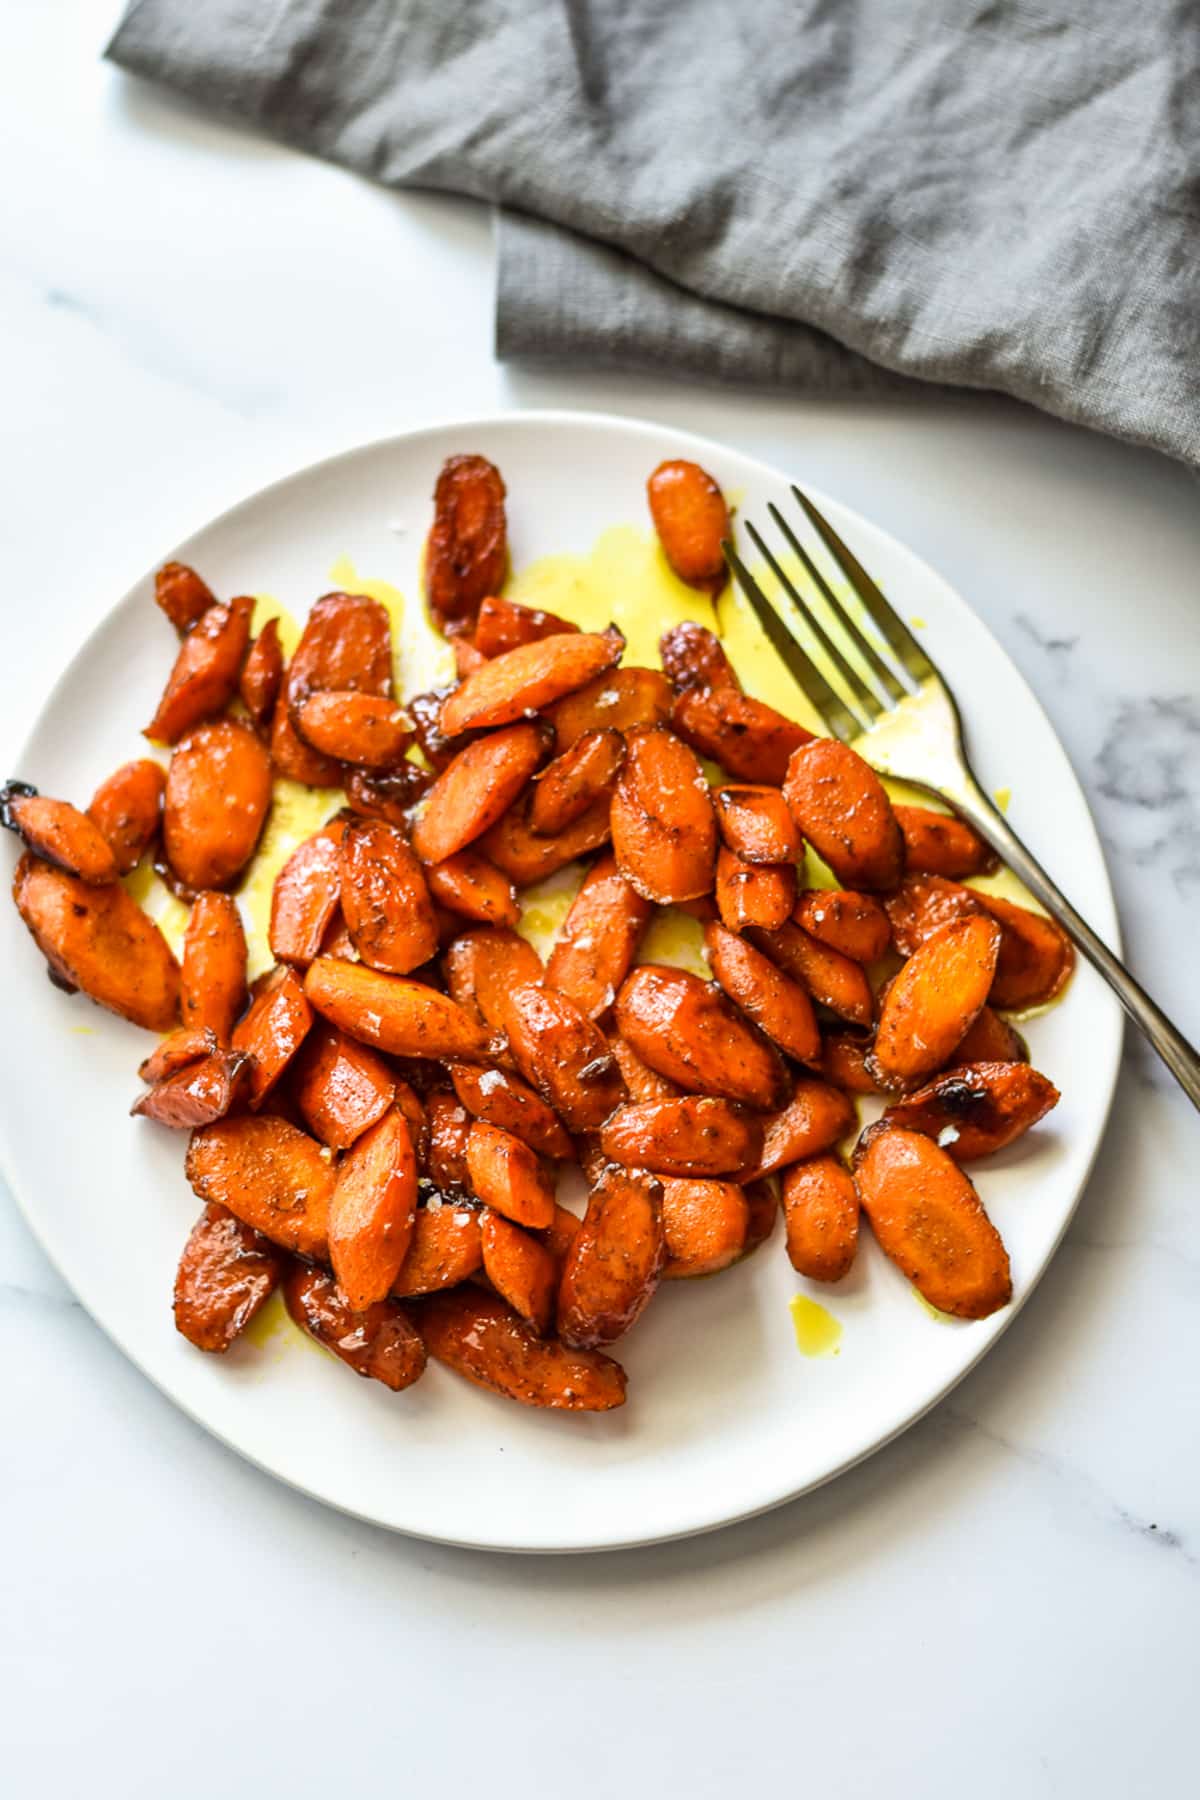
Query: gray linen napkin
[824, 194]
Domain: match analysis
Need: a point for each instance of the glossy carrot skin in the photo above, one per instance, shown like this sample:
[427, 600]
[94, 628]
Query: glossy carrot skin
[380, 1342]
[614, 1265]
[182, 596]
[272, 1030]
[833, 980]
[526, 679]
[214, 965]
[481, 1338]
[749, 739]
[507, 1176]
[842, 808]
[340, 1087]
[398, 1016]
[521, 1269]
[198, 1093]
[476, 789]
[778, 1005]
[663, 825]
[386, 904]
[262, 675]
[689, 1031]
[474, 888]
[445, 1250]
[305, 897]
[939, 844]
[704, 1224]
[527, 858]
[692, 521]
[217, 796]
[575, 780]
[127, 809]
[853, 924]
[226, 1274]
[976, 1109]
[935, 998]
[503, 1099]
[466, 552]
[756, 824]
[695, 1135]
[753, 894]
[618, 700]
[483, 966]
[268, 1173]
[814, 1119]
[205, 676]
[346, 644]
[501, 625]
[59, 833]
[820, 1209]
[598, 939]
[365, 729]
[563, 1055]
[373, 1210]
[694, 657]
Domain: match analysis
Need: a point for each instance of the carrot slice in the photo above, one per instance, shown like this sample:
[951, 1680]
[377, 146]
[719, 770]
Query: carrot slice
[185, 1045]
[704, 1224]
[270, 1175]
[559, 1236]
[305, 897]
[695, 1135]
[484, 966]
[445, 1250]
[98, 940]
[844, 1062]
[756, 823]
[777, 1005]
[364, 729]
[217, 795]
[198, 1093]
[832, 979]
[618, 700]
[939, 844]
[226, 1274]
[820, 1210]
[575, 780]
[748, 738]
[694, 657]
[1036, 958]
[504, 1100]
[853, 924]
[842, 807]
[929, 1220]
[385, 902]
[991, 1039]
[753, 893]
[501, 625]
[977, 1108]
[614, 1264]
[563, 1055]
[922, 903]
[692, 522]
[346, 643]
[481, 1338]
[527, 858]
[598, 939]
[181, 594]
[373, 1210]
[59, 833]
[526, 679]
[273, 1030]
[687, 1030]
[643, 1082]
[466, 552]
[933, 1001]
[446, 1151]
[380, 1342]
[506, 1175]
[815, 1117]
[404, 1018]
[664, 829]
[475, 790]
[205, 676]
[127, 810]
[522, 1270]
[474, 888]
[341, 1087]
[762, 1207]
[262, 675]
[214, 965]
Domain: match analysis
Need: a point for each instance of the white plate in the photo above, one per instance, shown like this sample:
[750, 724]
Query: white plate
[725, 1417]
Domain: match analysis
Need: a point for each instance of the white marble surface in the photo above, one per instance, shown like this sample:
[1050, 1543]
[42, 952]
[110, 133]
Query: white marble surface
[1003, 1602]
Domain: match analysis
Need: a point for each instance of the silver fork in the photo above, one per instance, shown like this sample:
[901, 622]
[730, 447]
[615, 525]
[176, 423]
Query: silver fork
[905, 722]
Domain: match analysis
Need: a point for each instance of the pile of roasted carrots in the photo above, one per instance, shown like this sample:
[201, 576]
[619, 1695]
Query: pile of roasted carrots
[376, 1124]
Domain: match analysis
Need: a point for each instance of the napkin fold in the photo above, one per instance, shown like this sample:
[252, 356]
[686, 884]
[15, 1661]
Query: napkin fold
[827, 195]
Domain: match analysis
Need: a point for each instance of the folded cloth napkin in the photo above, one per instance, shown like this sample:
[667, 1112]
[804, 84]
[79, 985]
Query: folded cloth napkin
[826, 194]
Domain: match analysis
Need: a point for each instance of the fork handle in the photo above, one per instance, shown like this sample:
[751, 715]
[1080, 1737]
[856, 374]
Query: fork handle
[1167, 1039]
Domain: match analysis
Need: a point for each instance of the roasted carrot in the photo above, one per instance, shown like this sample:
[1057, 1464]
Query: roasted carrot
[832, 979]
[425, 710]
[977, 1108]
[843, 1061]
[198, 1093]
[483, 966]
[473, 888]
[939, 844]
[364, 729]
[575, 780]
[923, 902]
[380, 1342]
[98, 940]
[853, 924]
[598, 939]
[385, 902]
[185, 1045]
[692, 521]
[205, 675]
[815, 1117]
[391, 796]
[561, 1234]
[615, 1262]
[262, 675]
[694, 657]
[526, 679]
[214, 965]
[59, 833]
[618, 701]
[1036, 957]
[704, 1224]
[991, 1039]
[842, 808]
[341, 1087]
[688, 1031]
[753, 893]
[403, 1018]
[527, 858]
[749, 739]
[697, 1134]
[505, 1100]
[127, 809]
[522, 1270]
[756, 824]
[476, 789]
[306, 896]
[820, 1210]
[181, 594]
[446, 1151]
[217, 795]
[762, 1210]
[506, 1175]
[466, 552]
[466, 657]
[777, 1005]
[481, 1338]
[271, 1175]
[563, 1055]
[930, 1221]
[346, 643]
[501, 625]
[226, 1273]
[664, 829]
[643, 1082]
[935, 998]
[445, 1250]
[273, 1029]
[373, 1210]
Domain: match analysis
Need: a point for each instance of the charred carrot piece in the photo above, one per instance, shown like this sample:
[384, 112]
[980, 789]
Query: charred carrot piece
[753, 893]
[575, 780]
[694, 657]
[380, 1342]
[185, 1045]
[346, 643]
[664, 829]
[690, 1032]
[205, 676]
[598, 939]
[977, 1108]
[59, 833]
[387, 907]
[182, 596]
[481, 1338]
[756, 824]
[226, 1274]
[526, 679]
[391, 796]
[373, 1210]
[466, 552]
[214, 965]
[614, 1265]
[476, 789]
[127, 810]
[562, 1054]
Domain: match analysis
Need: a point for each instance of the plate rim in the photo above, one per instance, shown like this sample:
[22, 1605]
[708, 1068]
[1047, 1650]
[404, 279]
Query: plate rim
[1107, 927]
